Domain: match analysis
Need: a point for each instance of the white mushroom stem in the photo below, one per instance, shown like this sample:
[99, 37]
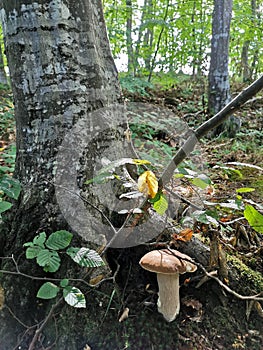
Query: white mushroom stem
[169, 300]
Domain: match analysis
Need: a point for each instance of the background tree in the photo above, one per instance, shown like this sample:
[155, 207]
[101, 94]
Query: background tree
[219, 87]
[245, 44]
[129, 41]
[185, 31]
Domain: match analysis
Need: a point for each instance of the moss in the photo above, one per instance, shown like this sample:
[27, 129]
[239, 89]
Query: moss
[251, 277]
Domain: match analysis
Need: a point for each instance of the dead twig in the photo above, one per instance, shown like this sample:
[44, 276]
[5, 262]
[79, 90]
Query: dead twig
[39, 330]
[223, 285]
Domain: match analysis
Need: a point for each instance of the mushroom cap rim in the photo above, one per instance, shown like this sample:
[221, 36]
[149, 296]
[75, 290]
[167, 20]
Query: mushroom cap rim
[164, 262]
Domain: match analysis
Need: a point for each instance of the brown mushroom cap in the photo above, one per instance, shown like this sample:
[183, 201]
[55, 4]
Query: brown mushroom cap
[165, 261]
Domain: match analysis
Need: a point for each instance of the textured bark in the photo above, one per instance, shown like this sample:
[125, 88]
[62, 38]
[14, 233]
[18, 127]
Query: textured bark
[61, 69]
[245, 69]
[219, 88]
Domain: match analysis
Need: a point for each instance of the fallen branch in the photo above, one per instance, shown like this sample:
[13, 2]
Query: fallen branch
[39, 330]
[185, 150]
[222, 284]
[207, 126]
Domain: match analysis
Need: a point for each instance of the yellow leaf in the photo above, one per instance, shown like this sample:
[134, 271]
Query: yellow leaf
[141, 161]
[148, 184]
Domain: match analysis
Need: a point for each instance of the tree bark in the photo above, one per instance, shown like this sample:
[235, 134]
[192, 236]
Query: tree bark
[61, 70]
[219, 88]
[129, 42]
[245, 70]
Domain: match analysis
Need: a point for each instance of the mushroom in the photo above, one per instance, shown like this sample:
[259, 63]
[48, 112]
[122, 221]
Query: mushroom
[168, 264]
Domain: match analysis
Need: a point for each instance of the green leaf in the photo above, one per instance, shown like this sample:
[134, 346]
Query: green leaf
[10, 186]
[245, 189]
[40, 239]
[179, 176]
[156, 198]
[204, 217]
[37, 241]
[231, 172]
[28, 244]
[48, 291]
[59, 240]
[32, 252]
[5, 169]
[161, 205]
[74, 297]
[50, 260]
[201, 183]
[254, 218]
[85, 257]
[100, 179]
[4, 206]
[64, 283]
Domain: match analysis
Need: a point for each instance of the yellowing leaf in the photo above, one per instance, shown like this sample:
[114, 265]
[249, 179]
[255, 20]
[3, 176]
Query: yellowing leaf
[148, 184]
[245, 189]
[141, 161]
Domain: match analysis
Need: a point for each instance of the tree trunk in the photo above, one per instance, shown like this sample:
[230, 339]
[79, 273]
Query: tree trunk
[140, 35]
[61, 70]
[129, 43]
[246, 74]
[257, 21]
[219, 88]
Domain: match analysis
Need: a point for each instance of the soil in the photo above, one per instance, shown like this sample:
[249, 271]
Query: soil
[210, 318]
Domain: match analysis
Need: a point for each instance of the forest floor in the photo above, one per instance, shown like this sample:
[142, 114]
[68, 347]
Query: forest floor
[233, 177]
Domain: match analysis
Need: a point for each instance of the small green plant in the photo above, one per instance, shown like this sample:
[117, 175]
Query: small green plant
[238, 205]
[135, 85]
[9, 186]
[254, 218]
[8, 156]
[47, 250]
